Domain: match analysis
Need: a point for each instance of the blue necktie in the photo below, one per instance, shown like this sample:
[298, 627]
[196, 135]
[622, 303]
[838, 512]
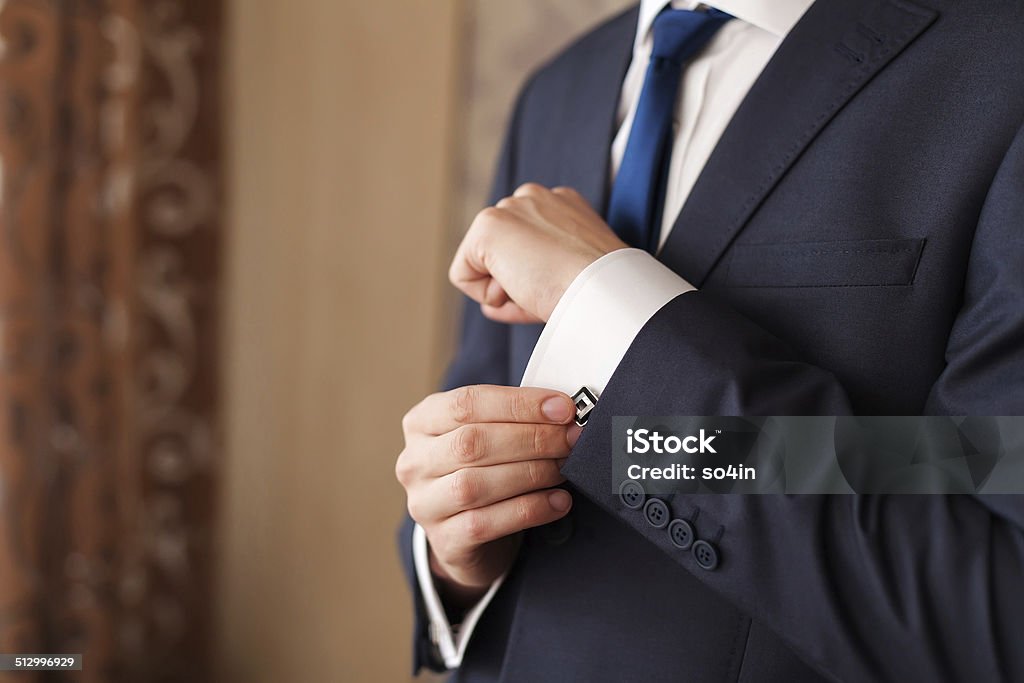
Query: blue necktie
[638, 195]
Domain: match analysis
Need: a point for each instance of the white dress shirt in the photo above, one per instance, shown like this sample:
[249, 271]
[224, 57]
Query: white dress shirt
[615, 296]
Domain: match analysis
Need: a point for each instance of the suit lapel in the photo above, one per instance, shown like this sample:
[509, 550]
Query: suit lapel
[589, 109]
[832, 52]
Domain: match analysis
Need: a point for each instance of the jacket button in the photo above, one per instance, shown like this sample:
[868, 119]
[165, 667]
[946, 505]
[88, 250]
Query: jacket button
[656, 513]
[681, 533]
[706, 555]
[632, 494]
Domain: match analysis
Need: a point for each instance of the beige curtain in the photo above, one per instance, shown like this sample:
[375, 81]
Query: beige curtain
[109, 240]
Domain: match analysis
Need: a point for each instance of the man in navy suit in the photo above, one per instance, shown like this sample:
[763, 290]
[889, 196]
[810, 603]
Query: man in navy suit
[754, 208]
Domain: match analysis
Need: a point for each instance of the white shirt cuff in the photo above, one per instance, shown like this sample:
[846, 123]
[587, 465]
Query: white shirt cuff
[597, 319]
[451, 642]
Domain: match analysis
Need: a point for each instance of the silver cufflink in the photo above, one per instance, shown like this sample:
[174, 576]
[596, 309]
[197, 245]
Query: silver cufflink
[585, 401]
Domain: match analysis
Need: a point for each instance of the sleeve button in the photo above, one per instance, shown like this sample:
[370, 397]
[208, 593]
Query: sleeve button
[681, 533]
[632, 494]
[656, 513]
[706, 555]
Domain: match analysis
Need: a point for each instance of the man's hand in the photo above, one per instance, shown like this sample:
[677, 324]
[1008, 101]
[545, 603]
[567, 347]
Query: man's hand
[520, 255]
[477, 468]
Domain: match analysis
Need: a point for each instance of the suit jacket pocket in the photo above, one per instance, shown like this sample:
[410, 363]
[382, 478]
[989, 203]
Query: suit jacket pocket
[857, 263]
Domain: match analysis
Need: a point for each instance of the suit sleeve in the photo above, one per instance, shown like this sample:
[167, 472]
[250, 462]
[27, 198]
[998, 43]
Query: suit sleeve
[864, 588]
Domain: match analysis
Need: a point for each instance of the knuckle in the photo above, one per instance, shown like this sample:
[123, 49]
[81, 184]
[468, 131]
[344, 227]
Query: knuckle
[520, 407]
[462, 405]
[474, 526]
[466, 444]
[464, 488]
[409, 419]
[534, 474]
[403, 468]
[524, 512]
[415, 509]
[528, 189]
[490, 213]
[414, 414]
[541, 440]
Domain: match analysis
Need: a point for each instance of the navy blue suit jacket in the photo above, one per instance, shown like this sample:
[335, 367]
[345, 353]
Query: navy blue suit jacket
[857, 238]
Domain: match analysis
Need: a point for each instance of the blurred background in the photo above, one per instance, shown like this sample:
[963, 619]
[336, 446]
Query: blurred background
[224, 232]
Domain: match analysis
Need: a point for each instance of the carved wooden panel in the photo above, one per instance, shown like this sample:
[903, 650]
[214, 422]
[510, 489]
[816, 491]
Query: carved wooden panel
[109, 243]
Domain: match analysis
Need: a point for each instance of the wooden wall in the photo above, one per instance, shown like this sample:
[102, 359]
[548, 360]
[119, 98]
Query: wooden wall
[340, 137]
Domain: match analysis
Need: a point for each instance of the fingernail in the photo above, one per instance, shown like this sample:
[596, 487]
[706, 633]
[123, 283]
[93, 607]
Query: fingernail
[559, 500]
[572, 434]
[556, 409]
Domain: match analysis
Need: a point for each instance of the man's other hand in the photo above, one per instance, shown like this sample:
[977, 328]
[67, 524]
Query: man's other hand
[478, 466]
[520, 255]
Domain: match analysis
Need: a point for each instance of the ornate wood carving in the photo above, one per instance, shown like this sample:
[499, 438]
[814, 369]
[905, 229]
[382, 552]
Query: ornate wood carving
[109, 241]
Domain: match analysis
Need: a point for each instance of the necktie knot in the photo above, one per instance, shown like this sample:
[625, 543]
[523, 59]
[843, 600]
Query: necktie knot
[679, 34]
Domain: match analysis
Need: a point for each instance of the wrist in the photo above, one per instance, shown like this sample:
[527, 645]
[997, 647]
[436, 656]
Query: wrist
[454, 594]
[576, 267]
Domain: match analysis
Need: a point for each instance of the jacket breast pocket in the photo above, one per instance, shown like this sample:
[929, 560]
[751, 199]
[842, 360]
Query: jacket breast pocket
[857, 263]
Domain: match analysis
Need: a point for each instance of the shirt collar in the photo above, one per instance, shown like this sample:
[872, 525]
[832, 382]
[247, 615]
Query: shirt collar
[775, 16]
